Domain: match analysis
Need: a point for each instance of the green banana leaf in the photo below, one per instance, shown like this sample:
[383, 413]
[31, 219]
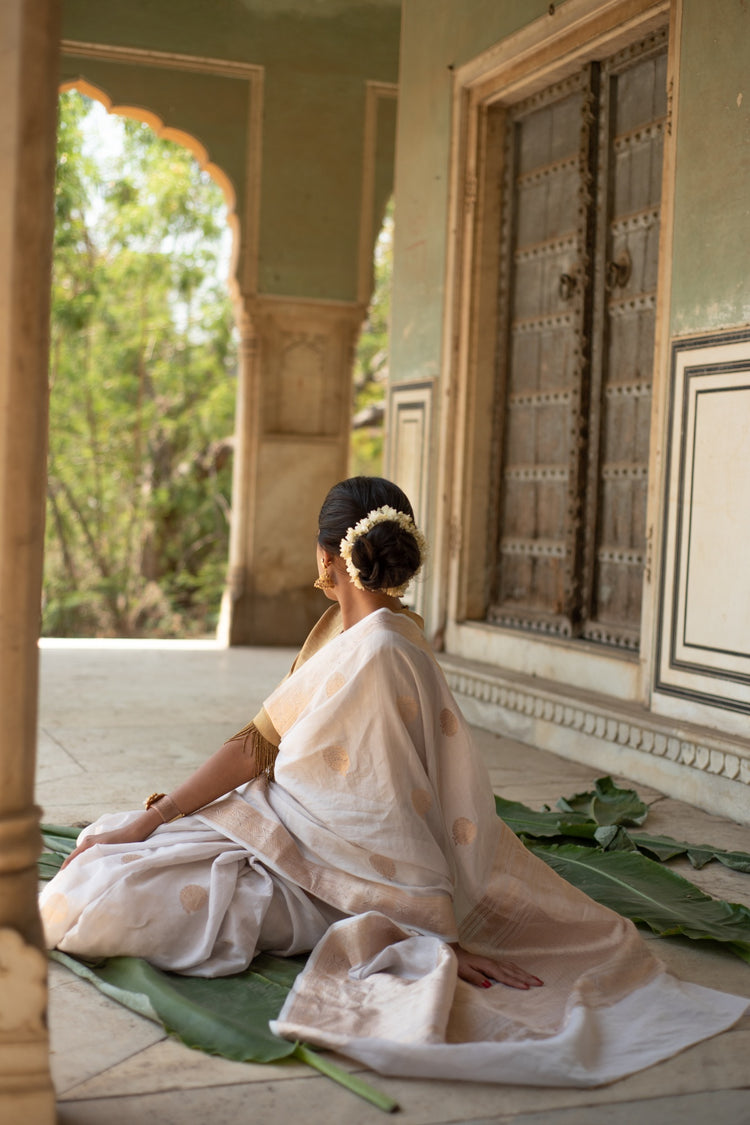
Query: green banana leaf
[60, 842]
[664, 847]
[63, 832]
[606, 804]
[528, 822]
[225, 1016]
[611, 835]
[646, 892]
[615, 838]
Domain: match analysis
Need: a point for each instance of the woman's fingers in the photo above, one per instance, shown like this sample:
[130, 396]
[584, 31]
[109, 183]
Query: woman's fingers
[77, 851]
[506, 972]
[483, 972]
[510, 969]
[474, 976]
[509, 975]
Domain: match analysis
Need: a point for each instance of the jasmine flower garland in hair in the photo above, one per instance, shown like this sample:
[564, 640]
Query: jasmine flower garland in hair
[386, 514]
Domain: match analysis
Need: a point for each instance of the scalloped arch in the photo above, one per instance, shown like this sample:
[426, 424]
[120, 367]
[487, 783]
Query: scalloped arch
[180, 137]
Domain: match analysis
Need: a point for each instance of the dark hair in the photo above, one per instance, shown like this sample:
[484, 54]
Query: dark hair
[388, 555]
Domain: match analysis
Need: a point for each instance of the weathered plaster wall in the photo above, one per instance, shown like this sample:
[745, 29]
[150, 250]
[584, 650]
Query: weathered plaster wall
[710, 284]
[314, 100]
[436, 35]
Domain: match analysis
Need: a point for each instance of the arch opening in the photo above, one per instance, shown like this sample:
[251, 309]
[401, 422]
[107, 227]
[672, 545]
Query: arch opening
[143, 374]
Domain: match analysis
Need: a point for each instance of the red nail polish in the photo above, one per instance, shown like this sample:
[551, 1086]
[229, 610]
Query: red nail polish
[486, 984]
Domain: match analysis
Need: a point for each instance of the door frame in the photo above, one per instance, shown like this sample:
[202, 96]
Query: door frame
[544, 52]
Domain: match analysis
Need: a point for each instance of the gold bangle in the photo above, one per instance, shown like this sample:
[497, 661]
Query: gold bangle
[158, 801]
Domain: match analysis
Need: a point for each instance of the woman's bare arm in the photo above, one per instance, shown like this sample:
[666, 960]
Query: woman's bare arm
[232, 765]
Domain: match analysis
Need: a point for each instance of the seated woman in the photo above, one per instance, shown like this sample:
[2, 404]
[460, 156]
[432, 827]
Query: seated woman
[354, 817]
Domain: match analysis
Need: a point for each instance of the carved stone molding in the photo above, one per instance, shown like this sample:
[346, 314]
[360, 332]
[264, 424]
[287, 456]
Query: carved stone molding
[305, 352]
[606, 720]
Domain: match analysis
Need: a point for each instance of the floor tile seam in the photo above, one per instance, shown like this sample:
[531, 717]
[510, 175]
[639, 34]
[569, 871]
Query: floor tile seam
[636, 1103]
[514, 1118]
[310, 1076]
[46, 730]
[66, 1095]
[584, 1092]
[219, 1084]
[306, 1073]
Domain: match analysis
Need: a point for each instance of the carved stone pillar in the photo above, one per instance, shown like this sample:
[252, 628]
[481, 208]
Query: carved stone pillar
[293, 423]
[29, 37]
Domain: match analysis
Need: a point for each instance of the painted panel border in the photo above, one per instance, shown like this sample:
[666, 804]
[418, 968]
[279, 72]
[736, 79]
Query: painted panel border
[703, 642]
[407, 454]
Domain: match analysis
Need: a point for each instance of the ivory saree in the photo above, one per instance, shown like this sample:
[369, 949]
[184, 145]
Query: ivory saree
[376, 845]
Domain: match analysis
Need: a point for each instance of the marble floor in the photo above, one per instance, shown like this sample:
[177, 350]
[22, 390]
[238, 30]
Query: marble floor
[119, 720]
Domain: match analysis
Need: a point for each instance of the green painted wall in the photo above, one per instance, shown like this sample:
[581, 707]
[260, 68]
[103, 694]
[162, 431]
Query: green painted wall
[711, 259]
[436, 35]
[317, 56]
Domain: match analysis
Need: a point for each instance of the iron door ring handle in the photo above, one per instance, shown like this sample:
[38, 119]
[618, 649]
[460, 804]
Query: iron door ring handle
[567, 286]
[618, 271]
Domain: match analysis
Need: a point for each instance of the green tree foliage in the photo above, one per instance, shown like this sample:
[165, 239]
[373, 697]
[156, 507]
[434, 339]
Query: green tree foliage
[142, 376]
[371, 362]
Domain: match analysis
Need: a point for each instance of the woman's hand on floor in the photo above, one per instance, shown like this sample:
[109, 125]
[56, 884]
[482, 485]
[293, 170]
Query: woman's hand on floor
[484, 971]
[133, 833]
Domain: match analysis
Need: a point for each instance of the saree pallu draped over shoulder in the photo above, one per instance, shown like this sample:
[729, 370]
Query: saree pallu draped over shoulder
[377, 843]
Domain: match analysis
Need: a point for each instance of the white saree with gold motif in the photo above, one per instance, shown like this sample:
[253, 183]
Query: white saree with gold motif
[376, 845]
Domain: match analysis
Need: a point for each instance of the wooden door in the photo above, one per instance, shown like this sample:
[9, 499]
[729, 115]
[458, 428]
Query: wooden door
[633, 114]
[542, 366]
[579, 259]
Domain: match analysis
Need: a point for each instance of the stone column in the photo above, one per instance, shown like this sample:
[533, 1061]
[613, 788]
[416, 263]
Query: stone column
[29, 37]
[293, 425]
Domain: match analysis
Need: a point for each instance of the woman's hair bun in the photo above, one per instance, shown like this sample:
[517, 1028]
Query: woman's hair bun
[386, 556]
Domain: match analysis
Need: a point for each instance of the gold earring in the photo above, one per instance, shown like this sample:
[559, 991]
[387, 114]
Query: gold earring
[324, 582]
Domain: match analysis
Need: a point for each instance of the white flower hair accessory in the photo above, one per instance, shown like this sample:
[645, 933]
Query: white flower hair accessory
[386, 514]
